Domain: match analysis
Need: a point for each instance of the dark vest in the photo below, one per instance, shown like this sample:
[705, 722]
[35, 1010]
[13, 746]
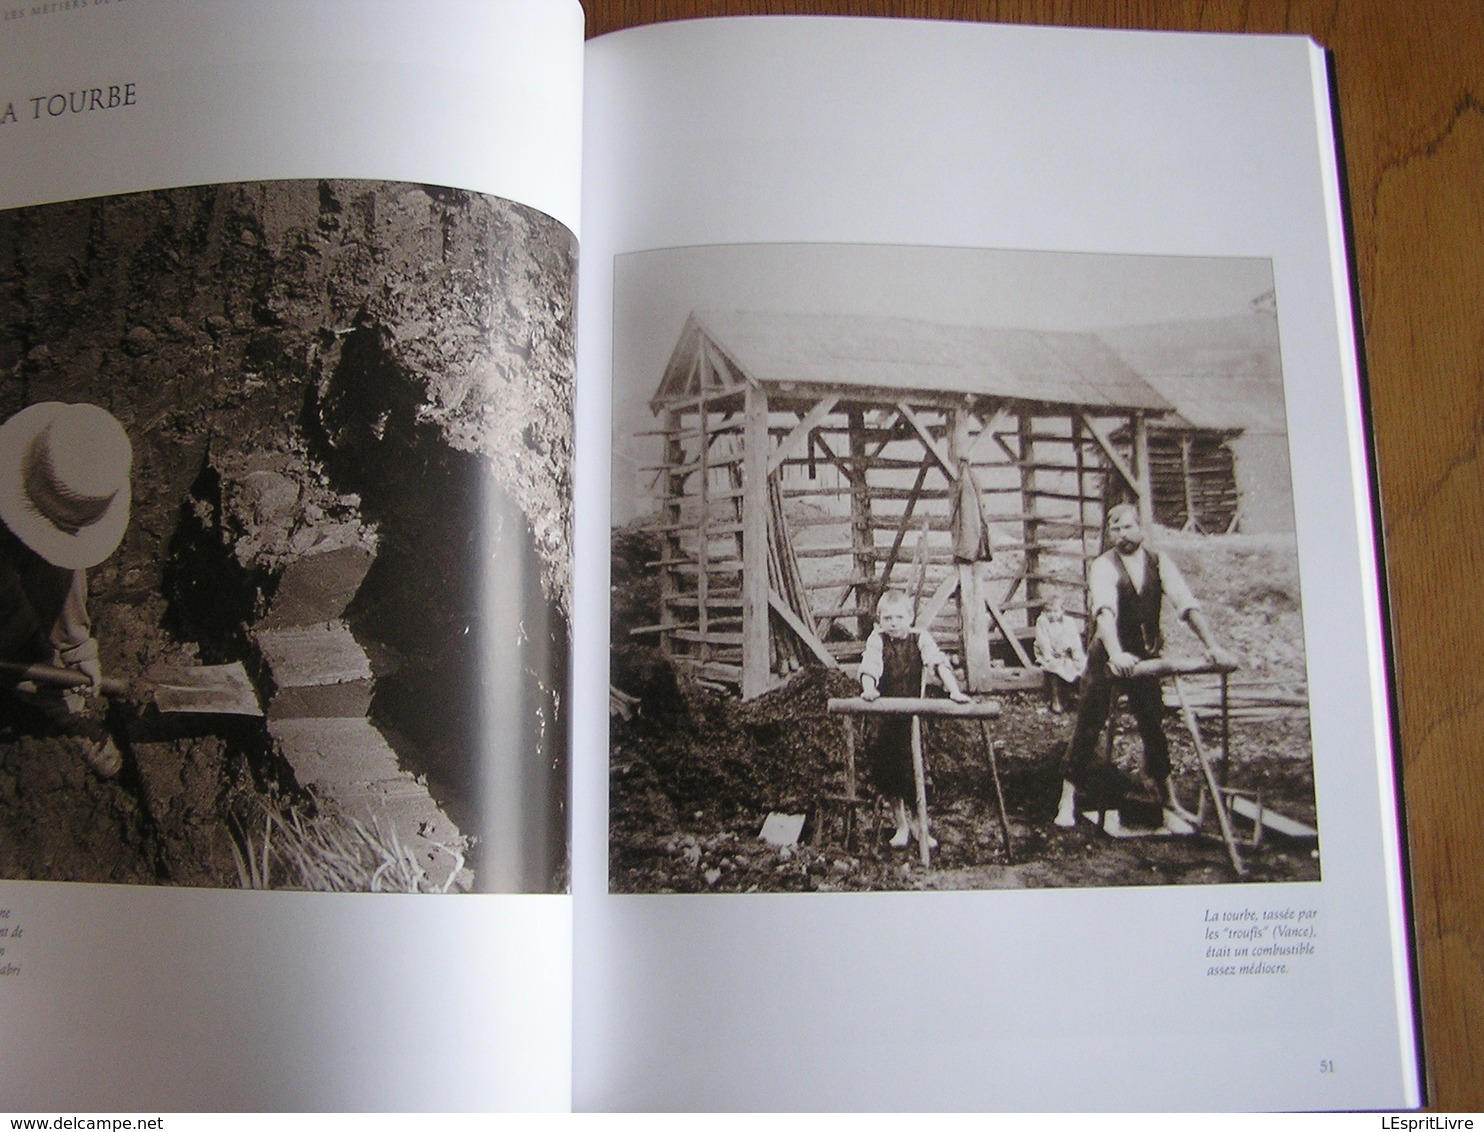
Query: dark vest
[1138, 611]
[901, 666]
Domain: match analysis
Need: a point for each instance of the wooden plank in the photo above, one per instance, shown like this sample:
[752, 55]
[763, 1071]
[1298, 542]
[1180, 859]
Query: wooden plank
[802, 631]
[862, 543]
[708, 638]
[714, 529]
[913, 705]
[972, 451]
[1010, 635]
[1106, 444]
[691, 567]
[946, 589]
[691, 467]
[935, 449]
[729, 673]
[1141, 471]
[901, 526]
[756, 630]
[800, 431]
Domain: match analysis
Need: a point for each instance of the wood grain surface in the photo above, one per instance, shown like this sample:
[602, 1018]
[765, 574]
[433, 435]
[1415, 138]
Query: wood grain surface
[1411, 83]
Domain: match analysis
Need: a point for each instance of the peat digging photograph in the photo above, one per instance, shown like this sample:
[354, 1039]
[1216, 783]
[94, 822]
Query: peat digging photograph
[286, 539]
[942, 568]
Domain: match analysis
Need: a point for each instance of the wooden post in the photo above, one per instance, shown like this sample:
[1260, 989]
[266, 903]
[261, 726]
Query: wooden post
[1141, 469]
[703, 538]
[1223, 819]
[999, 794]
[862, 541]
[670, 540]
[756, 630]
[1031, 504]
[973, 613]
[919, 774]
[850, 792]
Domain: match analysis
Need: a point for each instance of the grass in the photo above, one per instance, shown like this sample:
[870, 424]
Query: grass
[331, 851]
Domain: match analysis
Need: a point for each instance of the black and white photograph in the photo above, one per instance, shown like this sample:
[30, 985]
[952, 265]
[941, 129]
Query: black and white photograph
[943, 568]
[285, 559]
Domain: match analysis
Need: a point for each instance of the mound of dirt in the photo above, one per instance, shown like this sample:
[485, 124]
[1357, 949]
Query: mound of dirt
[695, 772]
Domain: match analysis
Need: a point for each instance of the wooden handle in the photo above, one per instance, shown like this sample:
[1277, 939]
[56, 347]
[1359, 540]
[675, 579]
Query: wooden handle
[1179, 666]
[913, 705]
[59, 677]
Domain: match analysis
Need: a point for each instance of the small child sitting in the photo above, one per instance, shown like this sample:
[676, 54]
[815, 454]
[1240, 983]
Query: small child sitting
[1059, 652]
[896, 662]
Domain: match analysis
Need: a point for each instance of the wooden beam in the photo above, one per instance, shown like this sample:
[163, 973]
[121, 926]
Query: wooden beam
[973, 623]
[1141, 469]
[840, 465]
[1106, 444]
[806, 425]
[1010, 635]
[913, 705]
[950, 469]
[802, 631]
[862, 541]
[973, 454]
[946, 589]
[901, 531]
[703, 538]
[756, 670]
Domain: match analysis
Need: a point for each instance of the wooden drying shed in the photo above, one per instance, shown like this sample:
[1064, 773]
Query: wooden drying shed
[1219, 462]
[811, 461]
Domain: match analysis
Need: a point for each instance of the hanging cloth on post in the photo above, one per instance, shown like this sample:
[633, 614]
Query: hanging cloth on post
[970, 529]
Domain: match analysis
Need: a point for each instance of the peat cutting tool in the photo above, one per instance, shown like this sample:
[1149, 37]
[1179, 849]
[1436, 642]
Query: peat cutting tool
[213, 689]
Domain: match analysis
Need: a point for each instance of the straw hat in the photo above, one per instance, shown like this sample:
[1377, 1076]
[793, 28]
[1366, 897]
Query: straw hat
[64, 482]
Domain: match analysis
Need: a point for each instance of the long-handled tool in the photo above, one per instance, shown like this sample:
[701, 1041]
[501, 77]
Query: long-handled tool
[215, 689]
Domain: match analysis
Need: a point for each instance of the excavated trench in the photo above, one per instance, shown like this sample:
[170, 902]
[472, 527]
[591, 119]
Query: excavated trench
[467, 654]
[350, 409]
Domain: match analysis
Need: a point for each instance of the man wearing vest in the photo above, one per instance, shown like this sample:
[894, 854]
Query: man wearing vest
[1127, 588]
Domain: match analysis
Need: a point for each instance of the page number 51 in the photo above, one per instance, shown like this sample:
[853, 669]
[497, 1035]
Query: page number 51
[1326, 1065]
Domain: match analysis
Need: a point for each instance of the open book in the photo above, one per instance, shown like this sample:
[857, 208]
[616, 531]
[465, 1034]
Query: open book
[902, 626]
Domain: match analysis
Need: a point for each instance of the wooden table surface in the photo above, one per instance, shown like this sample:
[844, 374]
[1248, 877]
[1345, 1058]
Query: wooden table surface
[1411, 82]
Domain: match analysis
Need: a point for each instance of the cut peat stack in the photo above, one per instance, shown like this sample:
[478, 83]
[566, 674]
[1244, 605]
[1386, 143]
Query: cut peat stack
[318, 713]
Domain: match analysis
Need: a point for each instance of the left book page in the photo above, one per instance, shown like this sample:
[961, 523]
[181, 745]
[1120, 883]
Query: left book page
[285, 424]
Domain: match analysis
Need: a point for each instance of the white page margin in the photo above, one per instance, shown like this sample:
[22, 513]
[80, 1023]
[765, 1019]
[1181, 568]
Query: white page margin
[728, 1001]
[134, 997]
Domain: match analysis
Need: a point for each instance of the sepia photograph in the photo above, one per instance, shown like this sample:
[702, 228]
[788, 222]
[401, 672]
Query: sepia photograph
[939, 568]
[285, 531]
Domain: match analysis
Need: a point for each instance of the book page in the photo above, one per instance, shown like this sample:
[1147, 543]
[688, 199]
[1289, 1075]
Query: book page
[960, 363]
[287, 429]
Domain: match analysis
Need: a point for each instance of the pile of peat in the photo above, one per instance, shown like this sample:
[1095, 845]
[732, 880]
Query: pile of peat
[694, 772]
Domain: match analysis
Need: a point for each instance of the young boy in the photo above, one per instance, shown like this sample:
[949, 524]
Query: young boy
[896, 662]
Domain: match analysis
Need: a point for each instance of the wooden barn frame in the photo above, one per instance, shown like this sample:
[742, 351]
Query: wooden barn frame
[1193, 476]
[810, 462]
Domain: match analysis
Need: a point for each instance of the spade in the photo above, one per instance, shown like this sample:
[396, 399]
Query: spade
[216, 689]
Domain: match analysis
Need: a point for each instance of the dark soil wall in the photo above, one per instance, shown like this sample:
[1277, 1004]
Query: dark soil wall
[403, 353]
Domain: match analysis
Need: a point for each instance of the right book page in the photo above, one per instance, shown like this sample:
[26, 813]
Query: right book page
[995, 655]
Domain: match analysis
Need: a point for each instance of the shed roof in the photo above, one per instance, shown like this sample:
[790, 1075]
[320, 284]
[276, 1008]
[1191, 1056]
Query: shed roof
[1219, 373]
[907, 355]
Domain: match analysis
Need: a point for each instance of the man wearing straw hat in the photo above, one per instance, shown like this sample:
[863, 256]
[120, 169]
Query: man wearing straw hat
[64, 504]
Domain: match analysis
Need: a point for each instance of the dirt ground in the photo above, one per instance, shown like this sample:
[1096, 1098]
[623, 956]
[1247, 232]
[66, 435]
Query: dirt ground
[299, 365]
[694, 772]
[694, 827]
